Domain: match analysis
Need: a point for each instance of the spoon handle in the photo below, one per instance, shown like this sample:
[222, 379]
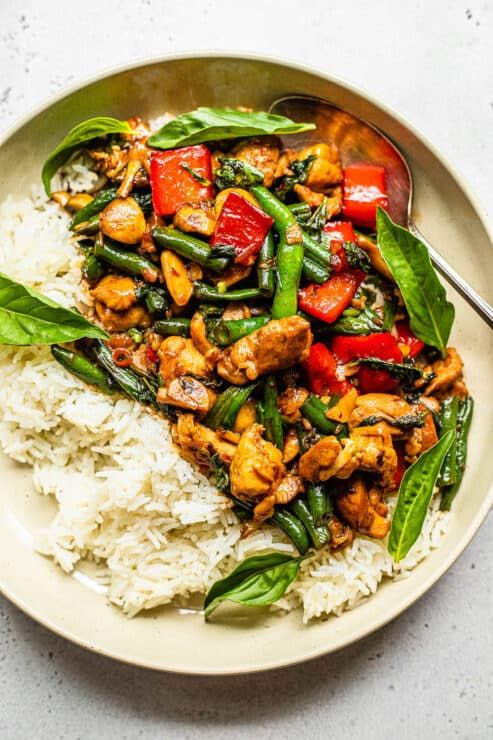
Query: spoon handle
[473, 298]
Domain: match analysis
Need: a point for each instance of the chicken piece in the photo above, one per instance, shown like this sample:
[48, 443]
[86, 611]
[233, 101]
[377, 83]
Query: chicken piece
[123, 220]
[315, 463]
[176, 278]
[236, 310]
[447, 373]
[290, 401]
[276, 346]
[291, 447]
[355, 508]
[195, 219]
[122, 320]
[340, 534]
[384, 405]
[115, 292]
[421, 438]
[375, 255]
[260, 153]
[142, 361]
[198, 443]
[198, 334]
[110, 163]
[288, 488]
[256, 466]
[264, 510]
[246, 416]
[343, 409]
[334, 202]
[370, 449]
[325, 170]
[187, 393]
[179, 356]
[375, 496]
[306, 195]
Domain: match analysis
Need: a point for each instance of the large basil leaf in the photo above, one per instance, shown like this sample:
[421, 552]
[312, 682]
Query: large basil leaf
[27, 317]
[208, 124]
[415, 494]
[430, 314]
[257, 581]
[78, 135]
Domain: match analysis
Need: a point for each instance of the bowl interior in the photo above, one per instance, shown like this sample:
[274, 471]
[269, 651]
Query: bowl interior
[251, 640]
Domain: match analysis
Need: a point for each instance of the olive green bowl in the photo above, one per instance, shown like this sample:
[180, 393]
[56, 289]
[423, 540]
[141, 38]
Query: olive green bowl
[256, 640]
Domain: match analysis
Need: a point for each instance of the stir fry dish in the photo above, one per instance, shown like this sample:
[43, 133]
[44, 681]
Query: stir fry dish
[256, 295]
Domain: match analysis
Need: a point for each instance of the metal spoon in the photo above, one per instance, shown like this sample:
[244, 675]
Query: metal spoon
[360, 141]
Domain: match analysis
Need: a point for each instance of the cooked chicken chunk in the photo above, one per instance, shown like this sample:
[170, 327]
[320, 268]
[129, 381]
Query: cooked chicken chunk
[198, 443]
[355, 508]
[340, 534]
[116, 292]
[246, 416]
[447, 373]
[319, 459]
[122, 320]
[309, 196]
[187, 393]
[290, 402]
[256, 466]
[179, 356]
[343, 409]
[195, 219]
[325, 170]
[384, 405]
[276, 346]
[123, 220]
[198, 334]
[421, 438]
[260, 153]
[288, 488]
[291, 447]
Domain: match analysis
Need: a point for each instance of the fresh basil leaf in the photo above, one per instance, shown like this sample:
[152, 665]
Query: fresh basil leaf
[357, 258]
[415, 494]
[257, 581]
[27, 317]
[209, 124]
[430, 314]
[86, 131]
[408, 375]
[221, 475]
[300, 169]
[405, 422]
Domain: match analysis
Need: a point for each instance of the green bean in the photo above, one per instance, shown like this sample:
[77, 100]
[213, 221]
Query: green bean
[318, 252]
[272, 416]
[314, 272]
[283, 217]
[94, 207]
[82, 368]
[260, 412]
[172, 327]
[129, 262]
[294, 528]
[224, 412]
[136, 335]
[189, 247]
[448, 422]
[92, 268]
[265, 266]
[318, 502]
[226, 332]
[314, 410]
[204, 292]
[88, 227]
[290, 524]
[319, 535]
[464, 424]
[156, 300]
[128, 381]
[301, 211]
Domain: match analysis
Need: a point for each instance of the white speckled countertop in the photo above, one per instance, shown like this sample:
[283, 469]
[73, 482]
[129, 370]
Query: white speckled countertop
[428, 674]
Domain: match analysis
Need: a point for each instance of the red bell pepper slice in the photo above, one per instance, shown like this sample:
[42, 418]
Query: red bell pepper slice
[380, 345]
[173, 183]
[322, 371]
[328, 300]
[405, 336]
[241, 225]
[340, 232]
[364, 190]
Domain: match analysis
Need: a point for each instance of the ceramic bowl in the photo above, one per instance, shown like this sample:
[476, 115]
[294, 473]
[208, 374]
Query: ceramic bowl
[445, 213]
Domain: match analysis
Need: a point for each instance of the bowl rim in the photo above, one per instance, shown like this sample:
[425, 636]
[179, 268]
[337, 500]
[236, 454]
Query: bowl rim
[483, 510]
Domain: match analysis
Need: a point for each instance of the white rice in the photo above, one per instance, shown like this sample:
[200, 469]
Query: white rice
[125, 498]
